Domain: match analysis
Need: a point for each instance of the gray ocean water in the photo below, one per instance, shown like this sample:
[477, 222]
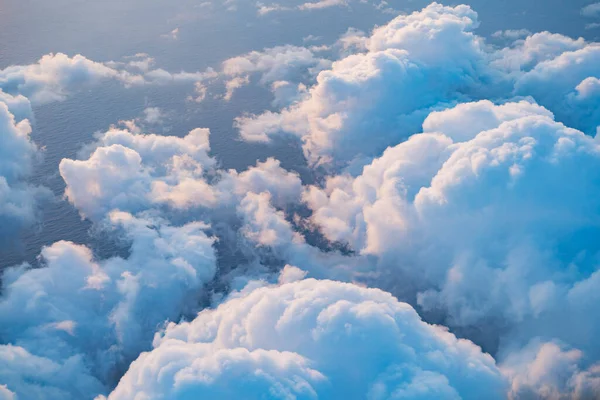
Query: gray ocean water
[113, 29]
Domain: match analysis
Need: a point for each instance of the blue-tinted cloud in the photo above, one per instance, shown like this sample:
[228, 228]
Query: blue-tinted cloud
[311, 339]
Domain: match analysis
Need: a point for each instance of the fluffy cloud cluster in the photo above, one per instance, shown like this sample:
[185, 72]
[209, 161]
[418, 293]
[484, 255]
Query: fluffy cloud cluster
[370, 100]
[52, 78]
[422, 62]
[134, 172]
[55, 76]
[129, 171]
[481, 214]
[491, 216]
[311, 339]
[72, 327]
[18, 200]
[276, 66]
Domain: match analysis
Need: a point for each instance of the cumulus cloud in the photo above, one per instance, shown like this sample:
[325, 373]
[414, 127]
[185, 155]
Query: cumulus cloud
[18, 200]
[311, 339]
[76, 323]
[366, 102]
[130, 171]
[280, 63]
[264, 9]
[565, 74]
[134, 172]
[490, 209]
[54, 76]
[482, 214]
[380, 92]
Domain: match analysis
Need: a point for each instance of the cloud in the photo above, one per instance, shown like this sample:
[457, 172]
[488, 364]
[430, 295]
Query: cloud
[153, 115]
[565, 74]
[322, 4]
[512, 34]
[490, 209]
[366, 102]
[591, 10]
[545, 370]
[381, 90]
[280, 63]
[134, 172]
[525, 54]
[131, 172]
[307, 340]
[174, 34]
[19, 200]
[75, 324]
[481, 214]
[264, 9]
[54, 75]
[27, 376]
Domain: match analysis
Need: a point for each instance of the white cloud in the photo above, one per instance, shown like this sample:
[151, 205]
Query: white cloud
[273, 64]
[131, 172]
[54, 75]
[322, 4]
[71, 327]
[366, 102]
[153, 115]
[591, 10]
[512, 34]
[18, 200]
[547, 371]
[134, 172]
[311, 339]
[554, 82]
[381, 91]
[490, 209]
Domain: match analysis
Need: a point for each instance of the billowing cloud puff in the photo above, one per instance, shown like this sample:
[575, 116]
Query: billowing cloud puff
[547, 371]
[81, 317]
[18, 200]
[54, 75]
[366, 102]
[134, 172]
[427, 61]
[275, 64]
[131, 172]
[283, 186]
[268, 228]
[491, 209]
[26, 376]
[311, 339]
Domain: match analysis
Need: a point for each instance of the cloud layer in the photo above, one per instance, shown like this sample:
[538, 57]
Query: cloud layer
[456, 176]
